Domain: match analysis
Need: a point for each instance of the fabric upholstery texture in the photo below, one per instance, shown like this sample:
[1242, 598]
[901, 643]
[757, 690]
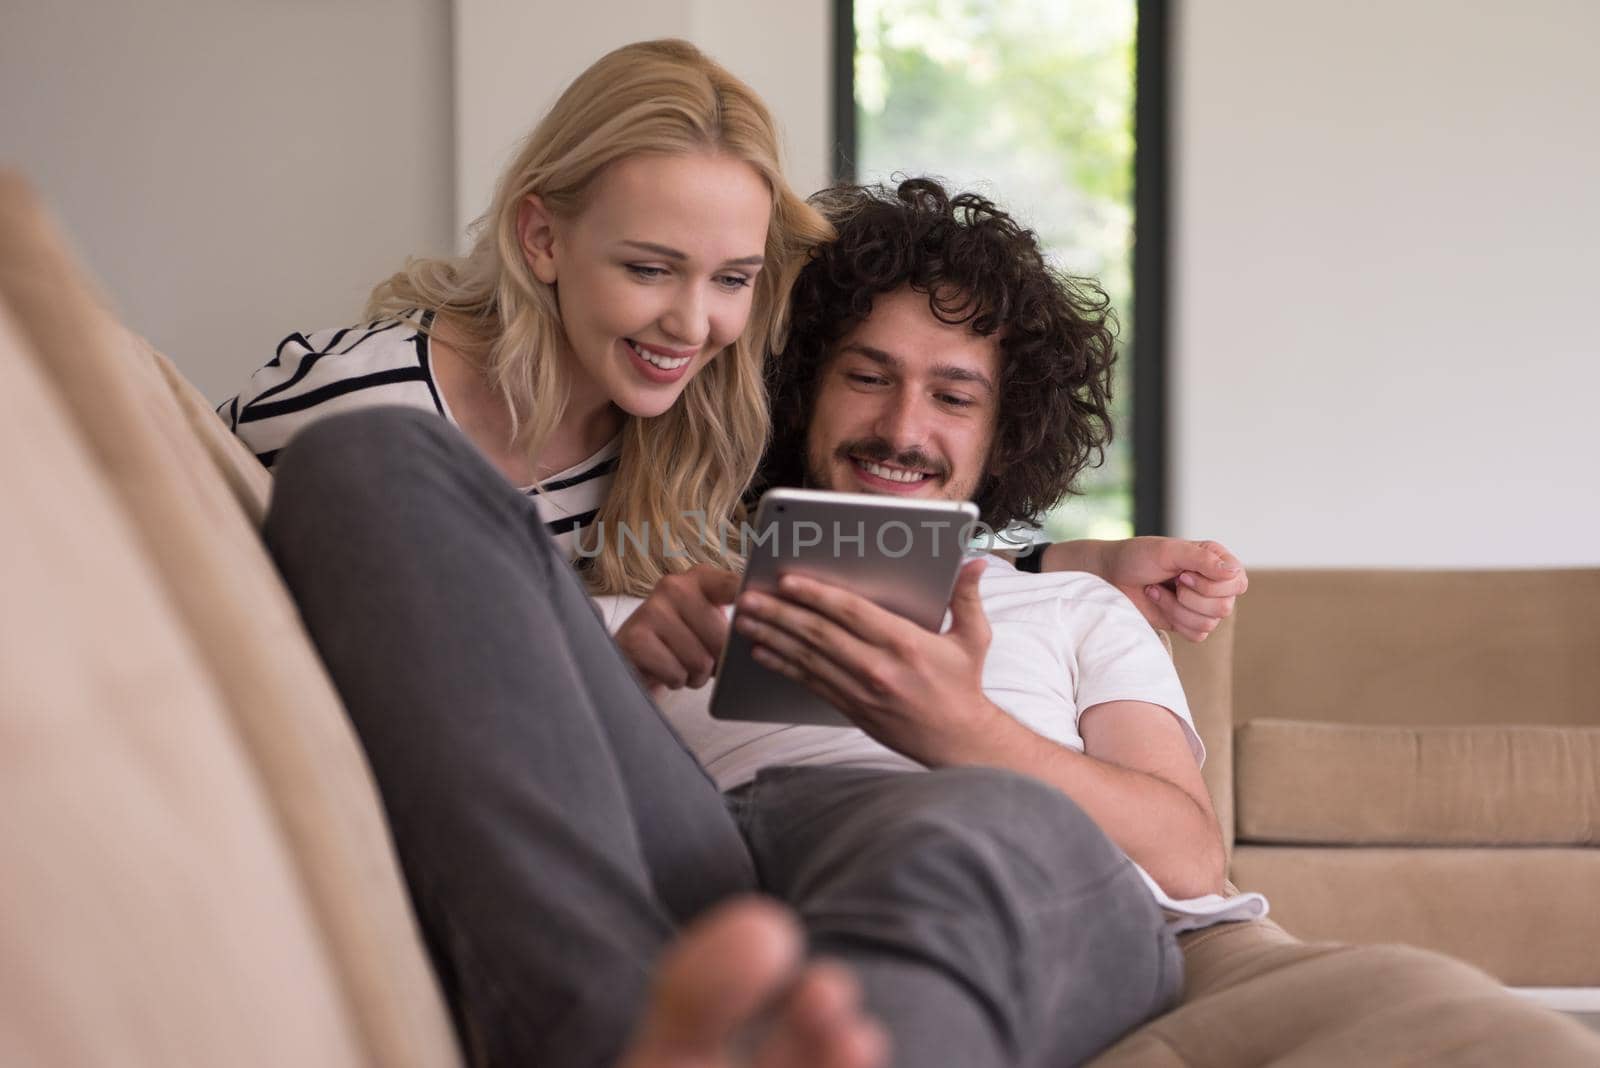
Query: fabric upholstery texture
[189, 526]
[1256, 996]
[1418, 648]
[1528, 916]
[145, 868]
[249, 482]
[1347, 784]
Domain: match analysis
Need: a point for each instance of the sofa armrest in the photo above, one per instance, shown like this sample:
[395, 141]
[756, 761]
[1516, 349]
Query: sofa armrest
[1206, 669]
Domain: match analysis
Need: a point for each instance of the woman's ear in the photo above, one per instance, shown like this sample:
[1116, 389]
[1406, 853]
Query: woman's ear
[537, 235]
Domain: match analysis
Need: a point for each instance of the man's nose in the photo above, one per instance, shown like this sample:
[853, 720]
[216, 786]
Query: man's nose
[902, 420]
[687, 321]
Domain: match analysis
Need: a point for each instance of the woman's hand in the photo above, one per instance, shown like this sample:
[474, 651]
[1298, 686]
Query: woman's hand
[1186, 586]
[674, 638]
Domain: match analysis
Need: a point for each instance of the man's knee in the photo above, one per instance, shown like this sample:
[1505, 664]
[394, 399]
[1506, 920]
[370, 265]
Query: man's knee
[357, 476]
[379, 465]
[360, 450]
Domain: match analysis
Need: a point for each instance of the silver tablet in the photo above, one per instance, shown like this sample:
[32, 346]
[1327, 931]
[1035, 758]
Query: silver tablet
[901, 554]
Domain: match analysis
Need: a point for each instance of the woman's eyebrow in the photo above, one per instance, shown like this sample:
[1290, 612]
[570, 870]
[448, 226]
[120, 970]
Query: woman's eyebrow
[671, 253]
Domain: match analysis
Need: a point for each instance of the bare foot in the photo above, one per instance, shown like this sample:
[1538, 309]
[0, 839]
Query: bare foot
[732, 994]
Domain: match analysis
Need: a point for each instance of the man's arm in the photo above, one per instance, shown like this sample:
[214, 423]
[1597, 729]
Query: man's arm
[921, 694]
[1186, 586]
[1136, 778]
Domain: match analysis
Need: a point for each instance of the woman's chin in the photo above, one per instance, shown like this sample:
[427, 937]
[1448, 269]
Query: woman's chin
[648, 404]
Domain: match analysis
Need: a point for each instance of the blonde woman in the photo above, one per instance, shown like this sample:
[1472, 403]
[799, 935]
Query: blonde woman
[602, 342]
[599, 351]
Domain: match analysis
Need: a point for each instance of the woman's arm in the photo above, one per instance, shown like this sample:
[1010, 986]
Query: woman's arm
[1186, 586]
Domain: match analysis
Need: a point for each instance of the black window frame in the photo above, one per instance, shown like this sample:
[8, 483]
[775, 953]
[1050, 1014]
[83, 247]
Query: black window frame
[1151, 200]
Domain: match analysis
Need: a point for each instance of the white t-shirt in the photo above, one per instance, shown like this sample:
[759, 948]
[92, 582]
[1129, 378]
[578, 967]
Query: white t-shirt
[1063, 643]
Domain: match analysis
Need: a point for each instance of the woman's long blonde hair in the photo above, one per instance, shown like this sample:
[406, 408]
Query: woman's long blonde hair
[655, 97]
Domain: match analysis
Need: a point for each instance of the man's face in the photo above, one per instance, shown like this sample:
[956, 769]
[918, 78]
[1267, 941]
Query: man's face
[906, 404]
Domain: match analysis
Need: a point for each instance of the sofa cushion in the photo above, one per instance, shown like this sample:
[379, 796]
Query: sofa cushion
[1347, 784]
[1255, 996]
[1420, 647]
[223, 589]
[150, 911]
[1527, 916]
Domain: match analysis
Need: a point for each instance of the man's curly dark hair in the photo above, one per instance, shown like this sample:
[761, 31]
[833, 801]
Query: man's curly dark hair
[978, 267]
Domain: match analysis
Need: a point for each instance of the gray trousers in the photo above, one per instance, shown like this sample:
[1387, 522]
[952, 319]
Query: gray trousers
[554, 832]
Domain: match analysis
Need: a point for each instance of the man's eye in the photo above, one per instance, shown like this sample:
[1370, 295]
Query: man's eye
[868, 380]
[955, 402]
[640, 270]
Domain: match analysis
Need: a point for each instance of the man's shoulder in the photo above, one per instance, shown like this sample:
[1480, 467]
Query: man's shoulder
[1003, 582]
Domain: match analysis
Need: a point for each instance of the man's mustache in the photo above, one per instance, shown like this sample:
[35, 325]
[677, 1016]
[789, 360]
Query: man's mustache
[879, 451]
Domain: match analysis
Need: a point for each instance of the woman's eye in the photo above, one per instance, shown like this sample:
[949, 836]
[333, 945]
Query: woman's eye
[733, 281]
[640, 270]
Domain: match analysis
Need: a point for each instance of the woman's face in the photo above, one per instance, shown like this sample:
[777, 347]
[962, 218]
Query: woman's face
[655, 276]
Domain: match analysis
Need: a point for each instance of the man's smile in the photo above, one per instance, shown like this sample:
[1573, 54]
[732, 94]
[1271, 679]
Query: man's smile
[879, 476]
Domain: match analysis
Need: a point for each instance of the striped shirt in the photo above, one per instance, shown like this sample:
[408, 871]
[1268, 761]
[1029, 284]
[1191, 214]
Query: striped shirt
[387, 363]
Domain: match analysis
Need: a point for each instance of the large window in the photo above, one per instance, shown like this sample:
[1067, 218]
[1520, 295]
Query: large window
[1030, 102]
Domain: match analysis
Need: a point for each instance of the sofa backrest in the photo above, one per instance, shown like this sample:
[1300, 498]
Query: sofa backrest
[207, 876]
[1420, 648]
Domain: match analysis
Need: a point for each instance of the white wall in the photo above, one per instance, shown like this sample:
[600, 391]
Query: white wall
[234, 171]
[231, 172]
[784, 50]
[1387, 219]
[513, 58]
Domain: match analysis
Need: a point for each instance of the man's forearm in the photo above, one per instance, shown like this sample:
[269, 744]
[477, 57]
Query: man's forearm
[1080, 555]
[1154, 822]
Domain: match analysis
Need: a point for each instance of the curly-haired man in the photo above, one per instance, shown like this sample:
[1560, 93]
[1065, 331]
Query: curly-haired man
[934, 353]
[959, 262]
[982, 269]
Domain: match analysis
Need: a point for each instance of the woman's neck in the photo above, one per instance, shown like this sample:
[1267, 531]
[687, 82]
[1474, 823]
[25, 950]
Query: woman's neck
[587, 424]
[590, 419]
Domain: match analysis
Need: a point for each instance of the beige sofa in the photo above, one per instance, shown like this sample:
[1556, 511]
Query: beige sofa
[1417, 759]
[197, 870]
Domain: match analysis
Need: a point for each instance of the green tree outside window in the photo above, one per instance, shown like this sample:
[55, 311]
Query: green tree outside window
[1029, 102]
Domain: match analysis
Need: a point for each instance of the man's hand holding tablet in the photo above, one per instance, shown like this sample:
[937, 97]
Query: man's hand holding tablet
[842, 601]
